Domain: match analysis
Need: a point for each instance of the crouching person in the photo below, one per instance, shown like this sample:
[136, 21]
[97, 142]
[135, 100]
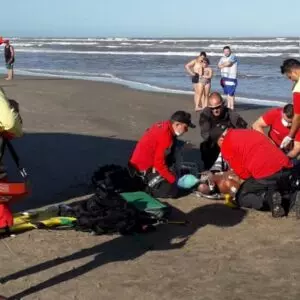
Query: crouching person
[216, 114]
[265, 169]
[279, 122]
[154, 157]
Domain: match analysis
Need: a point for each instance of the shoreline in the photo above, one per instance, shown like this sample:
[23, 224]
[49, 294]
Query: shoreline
[149, 88]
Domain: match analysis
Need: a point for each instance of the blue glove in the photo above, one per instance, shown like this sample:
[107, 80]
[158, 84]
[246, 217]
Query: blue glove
[187, 181]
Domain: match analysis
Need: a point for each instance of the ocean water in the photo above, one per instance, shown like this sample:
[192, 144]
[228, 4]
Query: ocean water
[158, 64]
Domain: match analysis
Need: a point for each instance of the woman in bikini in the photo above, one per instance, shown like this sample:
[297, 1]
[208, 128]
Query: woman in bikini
[196, 69]
[206, 81]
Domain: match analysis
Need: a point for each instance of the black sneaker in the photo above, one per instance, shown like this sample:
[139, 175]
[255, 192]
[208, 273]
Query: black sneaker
[276, 208]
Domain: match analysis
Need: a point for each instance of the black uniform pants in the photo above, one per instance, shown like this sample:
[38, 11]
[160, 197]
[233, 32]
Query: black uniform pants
[257, 193]
[158, 187]
[154, 184]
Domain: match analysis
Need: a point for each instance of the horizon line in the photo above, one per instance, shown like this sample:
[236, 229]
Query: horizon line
[151, 37]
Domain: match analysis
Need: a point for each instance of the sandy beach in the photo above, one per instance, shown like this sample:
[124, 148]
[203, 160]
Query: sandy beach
[71, 127]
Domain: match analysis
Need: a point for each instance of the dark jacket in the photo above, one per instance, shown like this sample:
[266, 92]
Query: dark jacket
[228, 117]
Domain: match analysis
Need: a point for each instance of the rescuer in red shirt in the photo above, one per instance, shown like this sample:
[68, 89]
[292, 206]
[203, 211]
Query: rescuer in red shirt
[154, 155]
[291, 68]
[279, 121]
[265, 169]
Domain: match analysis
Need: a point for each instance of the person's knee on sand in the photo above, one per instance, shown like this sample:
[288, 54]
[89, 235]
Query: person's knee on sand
[164, 190]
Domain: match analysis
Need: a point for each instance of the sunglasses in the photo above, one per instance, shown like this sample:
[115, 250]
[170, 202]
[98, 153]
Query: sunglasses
[216, 107]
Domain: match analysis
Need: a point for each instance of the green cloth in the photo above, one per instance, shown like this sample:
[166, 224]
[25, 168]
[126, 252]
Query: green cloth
[144, 202]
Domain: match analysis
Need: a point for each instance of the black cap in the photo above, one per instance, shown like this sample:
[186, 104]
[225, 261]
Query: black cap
[183, 117]
[217, 132]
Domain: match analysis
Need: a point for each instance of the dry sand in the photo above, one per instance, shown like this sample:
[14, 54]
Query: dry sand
[71, 127]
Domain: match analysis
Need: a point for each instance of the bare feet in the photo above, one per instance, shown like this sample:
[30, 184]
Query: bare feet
[198, 108]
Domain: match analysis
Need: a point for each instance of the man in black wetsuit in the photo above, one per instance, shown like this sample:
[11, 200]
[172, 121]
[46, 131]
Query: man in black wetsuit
[215, 115]
[9, 55]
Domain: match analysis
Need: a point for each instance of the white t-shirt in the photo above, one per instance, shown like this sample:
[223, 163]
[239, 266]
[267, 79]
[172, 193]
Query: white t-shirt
[229, 72]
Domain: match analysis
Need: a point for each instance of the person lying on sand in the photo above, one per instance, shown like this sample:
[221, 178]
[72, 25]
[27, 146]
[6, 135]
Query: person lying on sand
[221, 183]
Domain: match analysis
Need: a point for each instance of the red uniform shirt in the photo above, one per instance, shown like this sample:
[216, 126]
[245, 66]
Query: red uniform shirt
[152, 149]
[296, 97]
[251, 154]
[278, 131]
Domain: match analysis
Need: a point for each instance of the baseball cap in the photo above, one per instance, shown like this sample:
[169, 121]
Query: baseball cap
[183, 117]
[217, 132]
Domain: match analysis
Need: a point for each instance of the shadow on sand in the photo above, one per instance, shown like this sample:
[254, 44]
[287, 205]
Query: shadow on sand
[60, 166]
[124, 248]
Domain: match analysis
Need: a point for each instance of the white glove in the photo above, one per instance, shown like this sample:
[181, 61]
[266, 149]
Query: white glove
[285, 142]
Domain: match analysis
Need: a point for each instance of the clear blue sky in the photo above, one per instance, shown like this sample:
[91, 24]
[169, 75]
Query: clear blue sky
[146, 18]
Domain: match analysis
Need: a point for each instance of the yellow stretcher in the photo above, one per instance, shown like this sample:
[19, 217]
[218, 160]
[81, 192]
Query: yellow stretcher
[39, 219]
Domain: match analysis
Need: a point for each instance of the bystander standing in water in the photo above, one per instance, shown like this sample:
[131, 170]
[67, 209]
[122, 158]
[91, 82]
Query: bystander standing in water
[195, 69]
[228, 65]
[9, 54]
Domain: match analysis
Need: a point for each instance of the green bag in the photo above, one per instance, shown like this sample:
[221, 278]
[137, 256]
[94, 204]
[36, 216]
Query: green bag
[144, 202]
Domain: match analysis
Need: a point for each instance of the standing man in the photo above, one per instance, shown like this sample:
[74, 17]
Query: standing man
[291, 68]
[228, 66]
[265, 169]
[9, 55]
